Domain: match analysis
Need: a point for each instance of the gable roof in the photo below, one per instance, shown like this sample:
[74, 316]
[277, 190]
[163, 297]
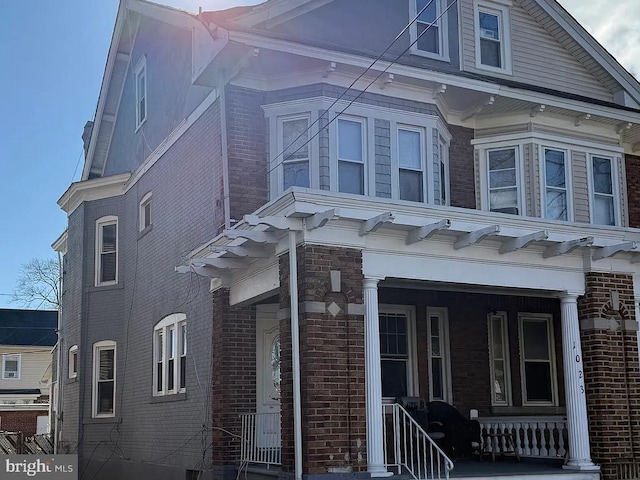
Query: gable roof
[36, 328]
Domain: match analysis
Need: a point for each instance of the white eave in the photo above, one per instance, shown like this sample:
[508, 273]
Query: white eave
[274, 12]
[95, 189]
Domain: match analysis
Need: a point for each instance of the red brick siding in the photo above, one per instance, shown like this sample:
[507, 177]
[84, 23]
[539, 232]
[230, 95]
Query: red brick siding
[632, 163]
[24, 421]
[461, 170]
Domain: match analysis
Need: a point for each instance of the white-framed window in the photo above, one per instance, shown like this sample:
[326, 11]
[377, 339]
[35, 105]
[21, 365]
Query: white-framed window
[73, 361]
[104, 378]
[439, 354]
[443, 196]
[493, 49]
[140, 74]
[397, 351]
[537, 359]
[556, 200]
[603, 190]
[503, 181]
[11, 364]
[170, 355]
[295, 145]
[499, 359]
[107, 251]
[411, 164]
[144, 213]
[351, 155]
[429, 31]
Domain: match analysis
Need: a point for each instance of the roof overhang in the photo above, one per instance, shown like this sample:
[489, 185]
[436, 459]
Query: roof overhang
[95, 189]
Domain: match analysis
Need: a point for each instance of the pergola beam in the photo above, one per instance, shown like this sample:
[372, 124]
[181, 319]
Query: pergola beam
[320, 219]
[240, 251]
[279, 223]
[219, 262]
[476, 236]
[518, 243]
[566, 247]
[374, 223]
[253, 235]
[426, 231]
[611, 250]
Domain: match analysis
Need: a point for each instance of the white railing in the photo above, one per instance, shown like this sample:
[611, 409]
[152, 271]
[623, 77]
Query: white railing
[539, 437]
[261, 440]
[409, 449]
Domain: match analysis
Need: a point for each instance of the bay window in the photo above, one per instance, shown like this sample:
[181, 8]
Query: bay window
[351, 175]
[555, 181]
[603, 191]
[503, 171]
[411, 164]
[295, 147]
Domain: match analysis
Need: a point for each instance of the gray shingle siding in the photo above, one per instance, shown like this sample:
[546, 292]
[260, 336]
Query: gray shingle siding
[382, 132]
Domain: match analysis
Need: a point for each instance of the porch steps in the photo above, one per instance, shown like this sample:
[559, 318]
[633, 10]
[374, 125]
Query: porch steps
[527, 470]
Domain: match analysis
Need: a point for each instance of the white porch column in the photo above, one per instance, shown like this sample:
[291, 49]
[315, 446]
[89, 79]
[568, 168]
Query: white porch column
[373, 380]
[577, 422]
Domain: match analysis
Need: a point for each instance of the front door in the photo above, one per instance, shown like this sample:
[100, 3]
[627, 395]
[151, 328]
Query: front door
[268, 378]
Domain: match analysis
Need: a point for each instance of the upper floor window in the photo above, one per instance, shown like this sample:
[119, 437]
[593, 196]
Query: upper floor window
[351, 175]
[107, 251]
[104, 378]
[492, 37]
[556, 199]
[140, 74]
[442, 197]
[411, 164]
[504, 187]
[295, 148]
[170, 355]
[11, 366]
[145, 212]
[429, 31]
[603, 197]
[73, 361]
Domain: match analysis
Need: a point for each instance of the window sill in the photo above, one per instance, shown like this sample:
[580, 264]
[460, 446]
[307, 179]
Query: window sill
[146, 230]
[102, 288]
[528, 410]
[72, 380]
[102, 420]
[431, 55]
[172, 397]
[489, 68]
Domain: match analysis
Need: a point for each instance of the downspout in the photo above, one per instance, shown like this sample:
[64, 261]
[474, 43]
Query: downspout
[295, 347]
[225, 150]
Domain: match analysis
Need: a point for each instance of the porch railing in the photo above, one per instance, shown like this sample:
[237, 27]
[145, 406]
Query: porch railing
[409, 449]
[261, 441]
[538, 437]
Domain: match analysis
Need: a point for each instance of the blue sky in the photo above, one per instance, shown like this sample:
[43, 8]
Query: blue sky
[52, 56]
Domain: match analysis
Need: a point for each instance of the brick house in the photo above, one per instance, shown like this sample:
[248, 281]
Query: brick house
[287, 221]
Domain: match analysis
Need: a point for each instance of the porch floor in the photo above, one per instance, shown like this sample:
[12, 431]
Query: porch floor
[510, 467]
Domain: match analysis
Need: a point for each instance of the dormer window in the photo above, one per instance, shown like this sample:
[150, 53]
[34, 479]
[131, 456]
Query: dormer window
[429, 31]
[492, 37]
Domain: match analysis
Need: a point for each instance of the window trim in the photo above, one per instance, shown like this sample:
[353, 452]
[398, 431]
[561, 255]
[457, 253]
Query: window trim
[142, 213]
[443, 314]
[443, 32]
[501, 10]
[413, 385]
[97, 348]
[7, 356]
[543, 147]
[73, 366]
[102, 222]
[423, 159]
[520, 180]
[140, 70]
[365, 123]
[548, 319]
[173, 322]
[443, 161]
[281, 146]
[506, 358]
[615, 180]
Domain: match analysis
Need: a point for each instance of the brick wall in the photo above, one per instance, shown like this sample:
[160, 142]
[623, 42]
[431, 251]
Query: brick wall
[612, 374]
[21, 421]
[461, 174]
[332, 364]
[632, 164]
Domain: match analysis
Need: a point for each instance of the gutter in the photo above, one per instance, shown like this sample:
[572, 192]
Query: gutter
[225, 151]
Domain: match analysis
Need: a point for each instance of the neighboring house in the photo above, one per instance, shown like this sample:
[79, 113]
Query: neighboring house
[463, 216]
[26, 340]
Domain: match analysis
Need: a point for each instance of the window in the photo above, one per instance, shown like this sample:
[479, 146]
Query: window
[145, 212]
[397, 352]
[104, 378]
[170, 355]
[141, 91]
[11, 366]
[537, 360]
[73, 361]
[107, 251]
[411, 165]
[604, 212]
[295, 147]
[504, 193]
[555, 180]
[351, 156]
[439, 362]
[499, 359]
[429, 31]
[442, 197]
[492, 37]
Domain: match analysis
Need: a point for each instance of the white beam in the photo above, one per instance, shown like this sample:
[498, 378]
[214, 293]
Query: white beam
[472, 238]
[240, 251]
[536, 110]
[476, 109]
[253, 235]
[374, 223]
[624, 127]
[611, 250]
[330, 69]
[566, 247]
[209, 272]
[388, 80]
[521, 242]
[581, 118]
[426, 231]
[318, 220]
[279, 223]
[439, 91]
[222, 263]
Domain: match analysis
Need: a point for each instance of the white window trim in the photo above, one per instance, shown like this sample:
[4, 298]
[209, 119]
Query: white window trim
[312, 157]
[501, 9]
[10, 356]
[413, 386]
[444, 144]
[140, 69]
[443, 315]
[567, 175]
[142, 215]
[443, 31]
[548, 318]
[485, 198]
[101, 222]
[615, 168]
[174, 321]
[424, 156]
[368, 149]
[97, 347]
[507, 360]
[73, 351]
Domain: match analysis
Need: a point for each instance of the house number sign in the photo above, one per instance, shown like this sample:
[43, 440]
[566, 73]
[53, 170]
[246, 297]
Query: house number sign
[578, 360]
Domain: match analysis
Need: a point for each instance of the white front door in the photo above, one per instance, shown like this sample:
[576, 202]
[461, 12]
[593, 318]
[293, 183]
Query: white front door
[268, 377]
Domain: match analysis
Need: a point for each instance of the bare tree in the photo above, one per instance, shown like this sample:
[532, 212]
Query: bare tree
[39, 284]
